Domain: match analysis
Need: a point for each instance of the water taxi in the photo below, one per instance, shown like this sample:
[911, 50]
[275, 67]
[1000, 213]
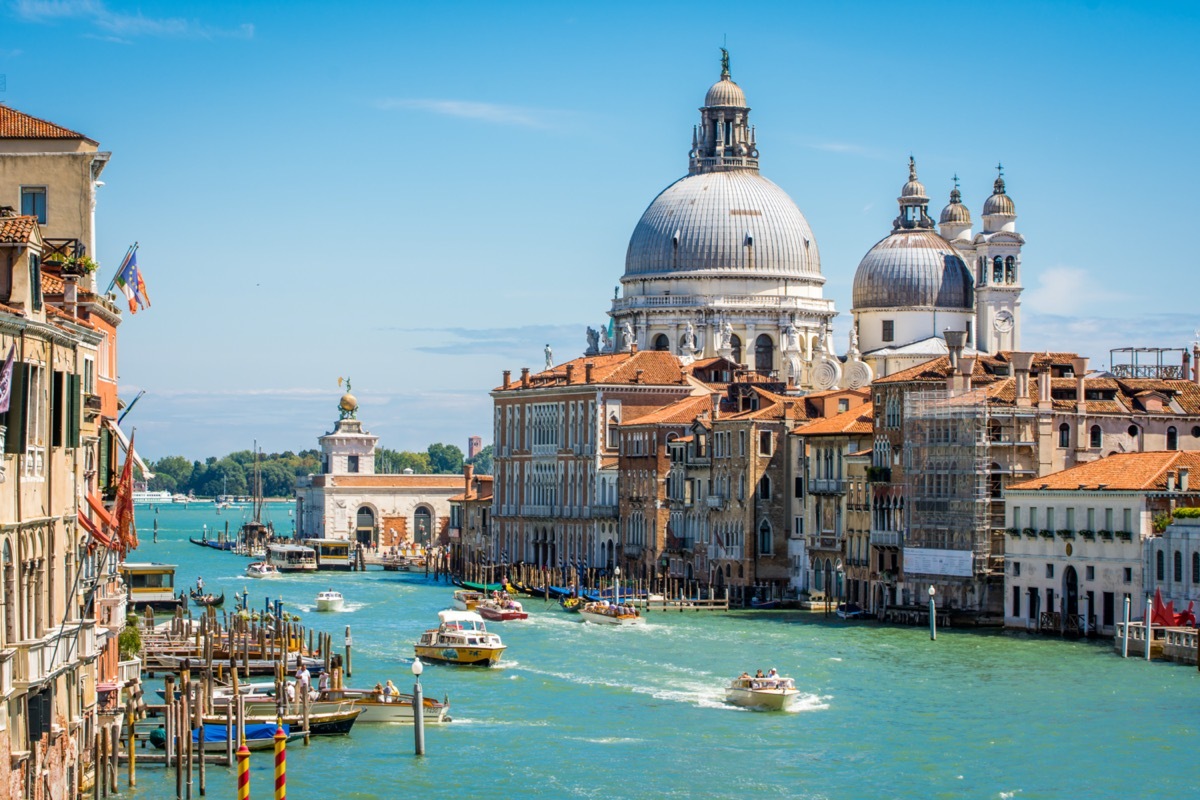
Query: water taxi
[329, 600]
[147, 498]
[151, 584]
[332, 554]
[606, 613]
[467, 599]
[261, 569]
[377, 708]
[501, 609]
[292, 557]
[460, 638]
[773, 693]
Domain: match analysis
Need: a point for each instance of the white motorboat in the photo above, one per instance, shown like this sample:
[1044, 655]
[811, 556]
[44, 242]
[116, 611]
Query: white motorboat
[774, 693]
[397, 708]
[329, 600]
[261, 569]
[145, 498]
[468, 599]
[460, 638]
[606, 613]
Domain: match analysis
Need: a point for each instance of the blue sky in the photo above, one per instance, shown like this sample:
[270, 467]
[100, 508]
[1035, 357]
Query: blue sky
[420, 195]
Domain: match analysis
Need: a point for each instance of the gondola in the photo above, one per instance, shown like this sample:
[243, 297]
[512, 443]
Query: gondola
[208, 600]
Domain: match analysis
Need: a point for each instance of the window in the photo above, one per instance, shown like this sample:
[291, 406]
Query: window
[1172, 438]
[1064, 435]
[1128, 575]
[764, 353]
[1050, 519]
[33, 202]
[1016, 601]
[764, 488]
[89, 375]
[661, 342]
[1133, 431]
[764, 443]
[35, 422]
[1016, 517]
[1196, 567]
[1016, 570]
[1160, 568]
[1096, 437]
[764, 538]
[1049, 570]
[1178, 571]
[1108, 519]
[843, 405]
[735, 342]
[351, 463]
[1070, 519]
[1010, 270]
[741, 443]
[1089, 573]
[997, 270]
[889, 330]
[1127, 518]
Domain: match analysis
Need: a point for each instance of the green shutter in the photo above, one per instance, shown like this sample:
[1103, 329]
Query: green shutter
[105, 446]
[14, 437]
[74, 406]
[58, 416]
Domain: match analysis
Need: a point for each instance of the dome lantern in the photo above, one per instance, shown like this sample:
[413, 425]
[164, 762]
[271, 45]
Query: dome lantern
[724, 139]
[999, 204]
[914, 203]
[955, 218]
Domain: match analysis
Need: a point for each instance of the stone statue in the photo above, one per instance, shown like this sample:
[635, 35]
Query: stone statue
[626, 341]
[605, 342]
[549, 357]
[790, 342]
[853, 339]
[593, 340]
[726, 336]
[689, 340]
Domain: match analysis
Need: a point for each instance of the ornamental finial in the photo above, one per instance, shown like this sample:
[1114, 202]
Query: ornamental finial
[912, 168]
[724, 64]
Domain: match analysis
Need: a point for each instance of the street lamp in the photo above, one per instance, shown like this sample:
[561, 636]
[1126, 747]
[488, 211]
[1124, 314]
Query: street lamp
[616, 585]
[932, 615]
[841, 583]
[418, 709]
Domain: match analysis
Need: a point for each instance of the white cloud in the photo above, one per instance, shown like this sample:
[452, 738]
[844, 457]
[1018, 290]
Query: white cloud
[495, 113]
[1067, 292]
[119, 26]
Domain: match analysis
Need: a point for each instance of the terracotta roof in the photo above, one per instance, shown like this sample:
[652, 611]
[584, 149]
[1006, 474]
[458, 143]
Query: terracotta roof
[16, 230]
[52, 284]
[679, 413]
[1118, 472]
[855, 422]
[986, 367]
[658, 368]
[19, 125]
[609, 462]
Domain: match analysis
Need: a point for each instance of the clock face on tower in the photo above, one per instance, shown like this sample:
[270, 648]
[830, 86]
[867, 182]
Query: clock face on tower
[1003, 323]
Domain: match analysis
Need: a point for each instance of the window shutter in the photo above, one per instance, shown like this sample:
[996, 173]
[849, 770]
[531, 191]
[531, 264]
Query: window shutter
[58, 415]
[103, 467]
[14, 437]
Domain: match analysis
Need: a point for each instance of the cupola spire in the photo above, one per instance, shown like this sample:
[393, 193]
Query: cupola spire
[724, 140]
[914, 203]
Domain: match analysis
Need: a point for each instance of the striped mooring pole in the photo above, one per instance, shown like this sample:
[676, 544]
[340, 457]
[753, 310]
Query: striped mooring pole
[243, 771]
[280, 762]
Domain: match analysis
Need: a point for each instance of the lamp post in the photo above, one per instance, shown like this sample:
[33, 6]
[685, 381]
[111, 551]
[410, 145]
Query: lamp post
[418, 706]
[841, 583]
[616, 585]
[932, 615]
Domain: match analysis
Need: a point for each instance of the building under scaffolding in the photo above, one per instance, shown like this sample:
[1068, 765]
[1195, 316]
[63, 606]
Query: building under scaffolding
[947, 463]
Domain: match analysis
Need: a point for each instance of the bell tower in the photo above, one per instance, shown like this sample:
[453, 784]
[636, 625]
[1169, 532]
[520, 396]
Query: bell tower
[998, 273]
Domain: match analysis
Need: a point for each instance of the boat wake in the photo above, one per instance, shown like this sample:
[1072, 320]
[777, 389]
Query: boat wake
[809, 702]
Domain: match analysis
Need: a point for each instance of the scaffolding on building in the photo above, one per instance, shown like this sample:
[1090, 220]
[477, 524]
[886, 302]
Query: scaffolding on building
[947, 472]
[1162, 363]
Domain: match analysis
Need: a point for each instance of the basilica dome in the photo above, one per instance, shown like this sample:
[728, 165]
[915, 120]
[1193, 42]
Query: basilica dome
[735, 221]
[913, 268]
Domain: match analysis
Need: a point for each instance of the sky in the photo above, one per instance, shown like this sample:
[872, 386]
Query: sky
[421, 195]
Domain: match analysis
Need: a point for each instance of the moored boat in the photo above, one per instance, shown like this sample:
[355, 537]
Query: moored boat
[261, 569]
[151, 584]
[259, 736]
[329, 600]
[461, 637]
[292, 557]
[606, 613]
[467, 599]
[321, 723]
[772, 693]
[377, 708]
[501, 608]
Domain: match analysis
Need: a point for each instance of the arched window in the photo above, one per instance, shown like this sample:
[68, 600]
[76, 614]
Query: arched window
[661, 342]
[997, 269]
[764, 538]
[1010, 270]
[764, 353]
[764, 488]
[1178, 567]
[1064, 435]
[1133, 431]
[1172, 438]
[422, 525]
[1159, 565]
[1096, 437]
[364, 525]
[982, 271]
[735, 342]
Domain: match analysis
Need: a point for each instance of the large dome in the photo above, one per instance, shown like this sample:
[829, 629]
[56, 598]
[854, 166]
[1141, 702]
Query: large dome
[725, 222]
[913, 268]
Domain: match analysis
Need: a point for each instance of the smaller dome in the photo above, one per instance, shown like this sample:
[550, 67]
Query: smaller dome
[999, 203]
[725, 93]
[348, 403]
[914, 189]
[955, 213]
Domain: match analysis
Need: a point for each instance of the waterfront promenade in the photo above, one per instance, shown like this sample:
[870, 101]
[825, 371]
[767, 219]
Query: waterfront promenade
[584, 711]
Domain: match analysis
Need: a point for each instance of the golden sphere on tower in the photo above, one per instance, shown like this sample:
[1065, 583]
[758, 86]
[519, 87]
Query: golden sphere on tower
[348, 403]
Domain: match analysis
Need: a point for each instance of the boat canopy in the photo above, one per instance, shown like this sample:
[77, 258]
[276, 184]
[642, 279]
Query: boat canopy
[453, 615]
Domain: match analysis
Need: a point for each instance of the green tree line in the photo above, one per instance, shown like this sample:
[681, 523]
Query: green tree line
[234, 473]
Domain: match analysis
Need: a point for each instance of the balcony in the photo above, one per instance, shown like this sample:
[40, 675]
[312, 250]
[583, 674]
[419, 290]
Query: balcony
[825, 541]
[885, 538]
[715, 501]
[6, 673]
[128, 670]
[535, 511]
[39, 660]
[600, 511]
[826, 486]
[110, 611]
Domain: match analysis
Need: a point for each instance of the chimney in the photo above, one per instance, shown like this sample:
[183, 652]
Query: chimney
[507, 378]
[524, 377]
[954, 342]
[1170, 481]
[70, 294]
[570, 373]
[716, 405]
[1080, 367]
[966, 366]
[632, 347]
[468, 479]
[1183, 478]
[637, 375]
[1196, 362]
[588, 366]
[1045, 396]
[1187, 368]
[1021, 362]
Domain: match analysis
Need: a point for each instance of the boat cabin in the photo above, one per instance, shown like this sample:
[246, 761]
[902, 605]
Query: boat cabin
[292, 557]
[150, 584]
[332, 554]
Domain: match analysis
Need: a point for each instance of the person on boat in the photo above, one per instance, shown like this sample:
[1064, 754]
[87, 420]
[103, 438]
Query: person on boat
[745, 676]
[759, 674]
[302, 676]
[291, 692]
[391, 693]
[323, 685]
[774, 673]
[379, 693]
[200, 585]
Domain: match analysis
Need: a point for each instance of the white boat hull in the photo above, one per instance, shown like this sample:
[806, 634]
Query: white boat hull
[605, 619]
[764, 699]
[331, 605]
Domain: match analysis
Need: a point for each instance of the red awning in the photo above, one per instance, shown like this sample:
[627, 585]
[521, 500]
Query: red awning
[91, 528]
[98, 506]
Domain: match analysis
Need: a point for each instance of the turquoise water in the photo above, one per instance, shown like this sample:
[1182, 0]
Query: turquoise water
[578, 710]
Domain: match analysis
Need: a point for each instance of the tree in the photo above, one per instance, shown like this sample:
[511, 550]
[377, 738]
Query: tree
[391, 462]
[445, 459]
[482, 462]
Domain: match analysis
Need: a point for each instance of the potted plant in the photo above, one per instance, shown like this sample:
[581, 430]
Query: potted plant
[1030, 533]
[55, 259]
[1046, 533]
[1014, 532]
[1066, 533]
[1126, 535]
[1106, 535]
[1089, 535]
[79, 265]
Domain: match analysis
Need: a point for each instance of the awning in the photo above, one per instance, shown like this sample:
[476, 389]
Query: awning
[91, 528]
[124, 440]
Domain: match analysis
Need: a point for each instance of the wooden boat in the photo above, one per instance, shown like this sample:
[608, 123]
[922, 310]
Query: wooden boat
[208, 600]
[259, 736]
[571, 604]
[329, 600]
[324, 723]
[460, 638]
[503, 609]
[606, 613]
[261, 569]
[151, 584]
[775, 693]
[850, 611]
[763, 604]
[214, 544]
[399, 709]
[467, 599]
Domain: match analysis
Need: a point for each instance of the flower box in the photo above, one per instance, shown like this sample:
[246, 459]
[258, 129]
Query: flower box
[1066, 533]
[1126, 535]
[1046, 534]
[1106, 535]
[1014, 532]
[1030, 532]
[1089, 535]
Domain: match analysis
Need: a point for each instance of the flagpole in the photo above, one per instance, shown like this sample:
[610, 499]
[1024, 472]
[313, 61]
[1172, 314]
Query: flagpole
[128, 253]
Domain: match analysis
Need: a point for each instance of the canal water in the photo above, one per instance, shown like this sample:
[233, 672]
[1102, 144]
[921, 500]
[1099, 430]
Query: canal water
[577, 710]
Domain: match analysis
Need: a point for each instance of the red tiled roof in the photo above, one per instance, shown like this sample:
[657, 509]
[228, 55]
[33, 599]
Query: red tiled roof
[679, 413]
[855, 422]
[1118, 472]
[19, 125]
[16, 230]
[657, 368]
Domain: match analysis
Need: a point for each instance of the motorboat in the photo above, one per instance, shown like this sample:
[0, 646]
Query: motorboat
[467, 599]
[320, 723]
[606, 613]
[850, 611]
[261, 569]
[292, 557]
[461, 637]
[146, 498]
[332, 554]
[151, 584]
[397, 708]
[501, 608]
[773, 693]
[260, 736]
[329, 600]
